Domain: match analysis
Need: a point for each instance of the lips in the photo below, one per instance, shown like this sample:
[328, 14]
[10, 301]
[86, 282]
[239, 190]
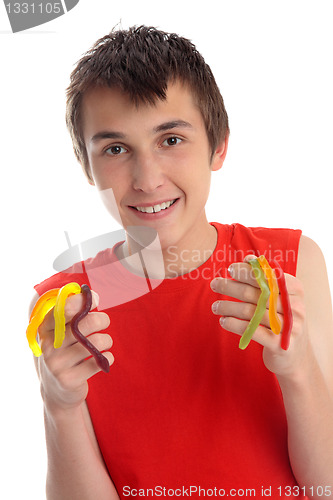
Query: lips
[150, 209]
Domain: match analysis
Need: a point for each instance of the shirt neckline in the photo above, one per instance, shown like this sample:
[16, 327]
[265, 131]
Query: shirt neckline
[206, 271]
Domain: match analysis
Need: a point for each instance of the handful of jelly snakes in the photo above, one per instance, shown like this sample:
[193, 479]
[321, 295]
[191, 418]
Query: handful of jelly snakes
[56, 298]
[272, 283]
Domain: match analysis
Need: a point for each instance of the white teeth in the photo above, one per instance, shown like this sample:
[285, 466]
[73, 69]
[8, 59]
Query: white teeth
[156, 208]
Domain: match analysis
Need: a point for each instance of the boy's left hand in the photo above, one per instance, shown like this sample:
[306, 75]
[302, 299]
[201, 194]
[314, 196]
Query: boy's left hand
[236, 315]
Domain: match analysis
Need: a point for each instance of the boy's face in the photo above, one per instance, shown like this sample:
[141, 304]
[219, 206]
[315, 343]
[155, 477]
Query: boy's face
[151, 155]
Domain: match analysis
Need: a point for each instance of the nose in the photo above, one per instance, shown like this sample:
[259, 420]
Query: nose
[147, 174]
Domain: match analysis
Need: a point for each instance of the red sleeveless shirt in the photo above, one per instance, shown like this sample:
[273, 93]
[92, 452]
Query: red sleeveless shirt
[184, 411]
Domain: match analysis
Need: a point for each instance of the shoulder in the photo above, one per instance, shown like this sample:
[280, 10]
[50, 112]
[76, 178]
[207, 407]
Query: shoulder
[308, 249]
[77, 271]
[312, 274]
[311, 266]
[275, 235]
[275, 243]
[60, 279]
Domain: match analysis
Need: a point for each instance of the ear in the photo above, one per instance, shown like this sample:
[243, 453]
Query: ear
[91, 180]
[220, 154]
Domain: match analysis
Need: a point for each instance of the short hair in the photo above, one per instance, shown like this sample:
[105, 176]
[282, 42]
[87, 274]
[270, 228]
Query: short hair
[142, 61]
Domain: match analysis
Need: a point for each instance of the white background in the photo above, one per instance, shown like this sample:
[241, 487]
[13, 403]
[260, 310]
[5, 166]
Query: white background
[273, 63]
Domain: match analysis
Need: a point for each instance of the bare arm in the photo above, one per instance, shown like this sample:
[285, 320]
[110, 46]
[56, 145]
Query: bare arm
[76, 469]
[305, 370]
[308, 392]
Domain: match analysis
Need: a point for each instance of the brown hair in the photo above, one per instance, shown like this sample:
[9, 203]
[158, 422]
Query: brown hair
[141, 61]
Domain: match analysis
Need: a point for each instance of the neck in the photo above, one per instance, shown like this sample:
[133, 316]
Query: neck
[187, 256]
[170, 261]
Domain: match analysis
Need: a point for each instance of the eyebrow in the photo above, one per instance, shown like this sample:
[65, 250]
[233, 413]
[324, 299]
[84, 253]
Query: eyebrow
[108, 134]
[172, 124]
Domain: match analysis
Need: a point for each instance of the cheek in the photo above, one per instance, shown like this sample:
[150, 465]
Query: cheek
[112, 187]
[106, 177]
[201, 186]
[198, 178]
[109, 200]
[100, 175]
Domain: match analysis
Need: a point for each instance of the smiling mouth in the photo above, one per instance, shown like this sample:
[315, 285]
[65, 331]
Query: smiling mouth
[156, 208]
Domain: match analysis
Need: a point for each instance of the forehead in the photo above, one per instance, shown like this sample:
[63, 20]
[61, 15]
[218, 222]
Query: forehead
[111, 107]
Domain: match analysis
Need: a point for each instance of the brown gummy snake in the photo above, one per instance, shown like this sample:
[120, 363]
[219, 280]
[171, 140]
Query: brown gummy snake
[101, 360]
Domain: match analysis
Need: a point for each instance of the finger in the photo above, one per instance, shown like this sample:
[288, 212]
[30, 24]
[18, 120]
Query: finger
[93, 322]
[245, 310]
[240, 310]
[263, 336]
[241, 271]
[72, 378]
[294, 286]
[90, 365]
[73, 305]
[66, 357]
[250, 257]
[237, 290]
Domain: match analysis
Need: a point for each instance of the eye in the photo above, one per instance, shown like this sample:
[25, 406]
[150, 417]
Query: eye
[115, 150]
[172, 141]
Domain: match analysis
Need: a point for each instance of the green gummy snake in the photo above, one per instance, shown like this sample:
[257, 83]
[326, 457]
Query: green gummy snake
[261, 306]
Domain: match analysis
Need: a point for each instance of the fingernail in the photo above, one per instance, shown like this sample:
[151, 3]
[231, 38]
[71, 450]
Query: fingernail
[213, 285]
[222, 319]
[231, 270]
[214, 307]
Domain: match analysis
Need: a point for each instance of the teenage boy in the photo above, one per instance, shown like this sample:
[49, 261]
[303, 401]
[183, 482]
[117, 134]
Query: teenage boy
[183, 411]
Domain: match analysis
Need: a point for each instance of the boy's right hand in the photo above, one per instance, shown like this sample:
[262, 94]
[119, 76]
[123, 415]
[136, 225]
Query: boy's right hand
[64, 372]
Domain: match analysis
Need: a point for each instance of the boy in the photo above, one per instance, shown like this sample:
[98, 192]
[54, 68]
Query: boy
[183, 411]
